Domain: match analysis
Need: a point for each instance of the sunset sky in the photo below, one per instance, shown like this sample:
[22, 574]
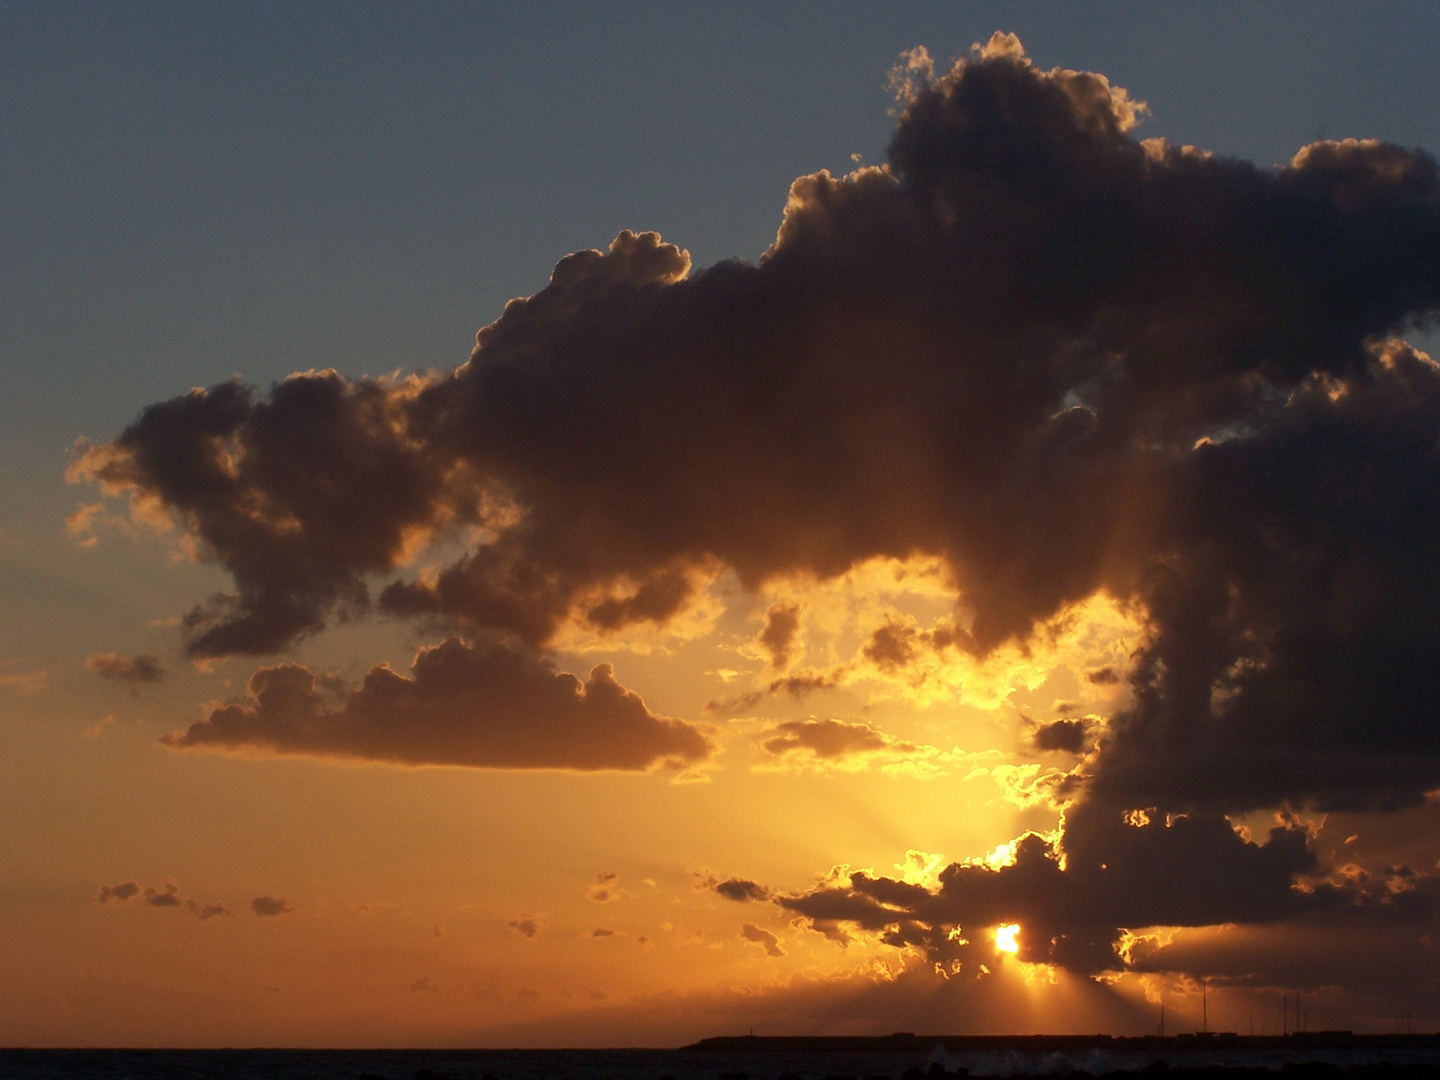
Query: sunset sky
[937, 532]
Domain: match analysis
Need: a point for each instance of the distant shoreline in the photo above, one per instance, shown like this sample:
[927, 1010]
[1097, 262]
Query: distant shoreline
[1305, 1040]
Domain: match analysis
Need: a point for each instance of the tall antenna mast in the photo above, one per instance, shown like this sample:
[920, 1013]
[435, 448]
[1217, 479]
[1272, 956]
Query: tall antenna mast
[1204, 1004]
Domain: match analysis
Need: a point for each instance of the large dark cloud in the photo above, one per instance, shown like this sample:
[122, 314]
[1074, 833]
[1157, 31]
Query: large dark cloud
[1059, 359]
[1024, 320]
[484, 706]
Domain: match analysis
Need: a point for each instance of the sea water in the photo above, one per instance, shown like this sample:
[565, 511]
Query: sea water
[18, 1064]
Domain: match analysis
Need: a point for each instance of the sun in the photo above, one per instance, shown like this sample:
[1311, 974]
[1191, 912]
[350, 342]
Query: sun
[1007, 938]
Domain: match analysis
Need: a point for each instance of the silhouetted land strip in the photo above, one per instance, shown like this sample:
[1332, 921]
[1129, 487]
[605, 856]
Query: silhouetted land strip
[1063, 1044]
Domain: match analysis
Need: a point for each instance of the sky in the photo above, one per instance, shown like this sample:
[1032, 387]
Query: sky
[608, 525]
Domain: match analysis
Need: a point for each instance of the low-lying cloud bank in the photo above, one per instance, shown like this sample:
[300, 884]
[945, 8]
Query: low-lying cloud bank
[481, 706]
[1193, 871]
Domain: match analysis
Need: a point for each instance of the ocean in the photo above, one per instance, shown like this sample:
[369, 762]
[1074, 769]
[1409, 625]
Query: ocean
[686, 1064]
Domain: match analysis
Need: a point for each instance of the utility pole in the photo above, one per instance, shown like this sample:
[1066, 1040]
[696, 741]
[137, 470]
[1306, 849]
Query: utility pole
[1205, 1005]
[1162, 1017]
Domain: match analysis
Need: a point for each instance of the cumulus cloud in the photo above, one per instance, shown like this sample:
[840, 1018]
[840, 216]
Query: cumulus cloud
[897, 651]
[122, 668]
[524, 927]
[777, 638]
[298, 541]
[604, 888]
[740, 889]
[896, 644]
[1061, 361]
[270, 906]
[1026, 317]
[122, 892]
[751, 932]
[796, 685]
[166, 895]
[482, 705]
[1188, 871]
[832, 739]
[1064, 735]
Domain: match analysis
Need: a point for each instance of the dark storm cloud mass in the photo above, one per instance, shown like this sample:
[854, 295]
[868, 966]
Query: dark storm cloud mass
[271, 906]
[1059, 359]
[483, 706]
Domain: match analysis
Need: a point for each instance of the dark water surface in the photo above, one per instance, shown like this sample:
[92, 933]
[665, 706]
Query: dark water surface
[649, 1064]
